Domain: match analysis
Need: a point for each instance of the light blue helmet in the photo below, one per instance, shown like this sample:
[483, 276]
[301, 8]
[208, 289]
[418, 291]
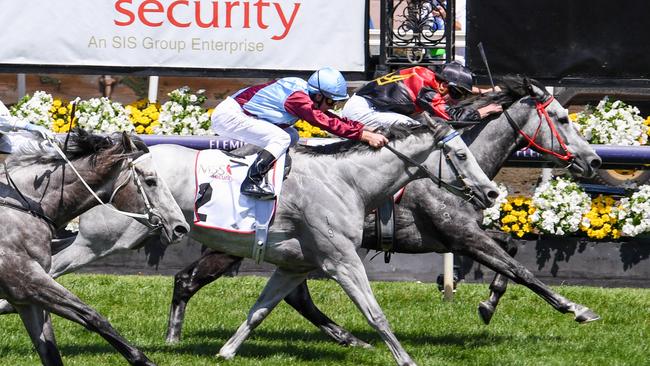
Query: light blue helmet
[329, 82]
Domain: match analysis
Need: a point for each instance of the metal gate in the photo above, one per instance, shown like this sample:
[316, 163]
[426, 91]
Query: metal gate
[415, 32]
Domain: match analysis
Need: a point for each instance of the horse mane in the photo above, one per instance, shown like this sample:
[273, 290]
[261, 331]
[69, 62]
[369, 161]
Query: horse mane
[80, 144]
[394, 132]
[513, 88]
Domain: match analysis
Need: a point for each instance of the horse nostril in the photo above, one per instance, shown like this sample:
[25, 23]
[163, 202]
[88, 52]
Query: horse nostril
[595, 163]
[493, 195]
[181, 230]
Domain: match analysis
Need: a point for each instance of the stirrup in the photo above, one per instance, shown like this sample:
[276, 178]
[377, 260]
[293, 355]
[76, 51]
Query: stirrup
[257, 192]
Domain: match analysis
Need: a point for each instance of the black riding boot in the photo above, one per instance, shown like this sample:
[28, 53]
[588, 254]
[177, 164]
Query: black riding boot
[254, 184]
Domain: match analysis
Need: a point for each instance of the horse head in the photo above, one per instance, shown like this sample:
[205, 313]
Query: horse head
[546, 128]
[138, 188]
[461, 165]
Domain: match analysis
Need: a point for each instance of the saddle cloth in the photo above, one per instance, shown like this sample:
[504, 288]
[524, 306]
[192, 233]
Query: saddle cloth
[218, 203]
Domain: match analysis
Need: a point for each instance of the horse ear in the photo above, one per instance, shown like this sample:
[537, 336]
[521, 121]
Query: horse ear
[129, 146]
[528, 86]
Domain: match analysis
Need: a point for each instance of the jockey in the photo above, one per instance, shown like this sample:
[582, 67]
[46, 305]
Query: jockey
[9, 123]
[395, 97]
[263, 115]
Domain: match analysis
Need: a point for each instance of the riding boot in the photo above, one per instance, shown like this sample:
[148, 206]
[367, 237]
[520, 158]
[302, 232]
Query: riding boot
[254, 184]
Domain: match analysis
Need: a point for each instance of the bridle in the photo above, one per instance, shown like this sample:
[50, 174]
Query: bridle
[153, 219]
[540, 107]
[464, 192]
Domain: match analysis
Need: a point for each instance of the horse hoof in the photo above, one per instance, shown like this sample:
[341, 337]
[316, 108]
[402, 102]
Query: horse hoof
[485, 312]
[172, 340]
[586, 315]
[359, 343]
[225, 355]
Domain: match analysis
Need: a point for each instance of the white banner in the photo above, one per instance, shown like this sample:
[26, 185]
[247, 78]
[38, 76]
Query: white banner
[217, 34]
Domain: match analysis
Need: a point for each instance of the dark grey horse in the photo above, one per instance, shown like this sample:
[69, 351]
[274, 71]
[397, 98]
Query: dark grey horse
[431, 220]
[40, 193]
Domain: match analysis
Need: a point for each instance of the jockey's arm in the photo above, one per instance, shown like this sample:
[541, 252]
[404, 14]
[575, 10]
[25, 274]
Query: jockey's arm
[477, 90]
[300, 105]
[432, 102]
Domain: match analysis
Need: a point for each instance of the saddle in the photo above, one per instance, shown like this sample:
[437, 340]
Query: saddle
[218, 171]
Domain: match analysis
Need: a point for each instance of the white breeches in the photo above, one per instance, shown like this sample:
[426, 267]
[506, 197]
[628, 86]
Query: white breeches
[360, 109]
[229, 120]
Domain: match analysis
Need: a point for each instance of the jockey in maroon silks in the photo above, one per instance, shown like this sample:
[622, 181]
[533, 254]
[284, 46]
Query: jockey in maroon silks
[395, 97]
[263, 115]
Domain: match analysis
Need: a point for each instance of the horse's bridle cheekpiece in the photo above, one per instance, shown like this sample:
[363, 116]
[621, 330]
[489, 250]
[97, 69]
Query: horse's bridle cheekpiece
[152, 218]
[541, 106]
[463, 192]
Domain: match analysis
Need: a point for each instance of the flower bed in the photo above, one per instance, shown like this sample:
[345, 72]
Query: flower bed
[559, 207]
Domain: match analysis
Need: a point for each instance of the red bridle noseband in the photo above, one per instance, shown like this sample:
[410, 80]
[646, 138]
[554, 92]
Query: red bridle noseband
[543, 114]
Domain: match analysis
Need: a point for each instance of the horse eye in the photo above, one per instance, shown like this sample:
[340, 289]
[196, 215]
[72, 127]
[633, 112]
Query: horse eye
[151, 182]
[462, 156]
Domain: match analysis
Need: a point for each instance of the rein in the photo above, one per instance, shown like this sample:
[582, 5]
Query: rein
[465, 192]
[149, 215]
[543, 115]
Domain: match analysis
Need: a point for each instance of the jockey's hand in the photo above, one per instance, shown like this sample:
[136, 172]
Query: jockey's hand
[490, 109]
[374, 139]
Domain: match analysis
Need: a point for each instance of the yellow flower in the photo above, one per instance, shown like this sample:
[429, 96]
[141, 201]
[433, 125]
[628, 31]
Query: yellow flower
[139, 129]
[573, 117]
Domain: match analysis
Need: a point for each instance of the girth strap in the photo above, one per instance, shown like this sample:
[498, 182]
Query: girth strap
[385, 227]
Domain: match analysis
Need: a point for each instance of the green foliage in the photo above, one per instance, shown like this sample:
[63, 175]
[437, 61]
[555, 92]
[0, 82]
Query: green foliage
[525, 330]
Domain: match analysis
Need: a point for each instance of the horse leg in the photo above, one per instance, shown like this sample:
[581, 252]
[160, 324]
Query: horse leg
[350, 274]
[300, 299]
[42, 291]
[101, 233]
[189, 281]
[211, 266]
[489, 253]
[499, 284]
[39, 327]
[278, 286]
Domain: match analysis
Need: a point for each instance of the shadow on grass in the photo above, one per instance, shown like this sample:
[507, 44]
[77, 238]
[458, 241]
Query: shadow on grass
[267, 343]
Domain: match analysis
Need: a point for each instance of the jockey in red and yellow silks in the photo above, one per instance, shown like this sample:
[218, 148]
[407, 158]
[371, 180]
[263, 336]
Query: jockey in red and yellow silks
[407, 91]
[396, 97]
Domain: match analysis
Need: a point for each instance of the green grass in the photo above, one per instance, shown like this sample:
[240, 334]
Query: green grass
[524, 331]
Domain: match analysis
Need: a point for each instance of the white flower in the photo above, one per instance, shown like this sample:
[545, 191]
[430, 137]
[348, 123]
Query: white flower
[102, 115]
[184, 114]
[560, 205]
[634, 212]
[613, 123]
[35, 109]
[491, 215]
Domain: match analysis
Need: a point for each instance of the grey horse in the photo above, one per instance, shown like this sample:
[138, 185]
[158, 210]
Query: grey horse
[40, 193]
[431, 220]
[322, 233]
